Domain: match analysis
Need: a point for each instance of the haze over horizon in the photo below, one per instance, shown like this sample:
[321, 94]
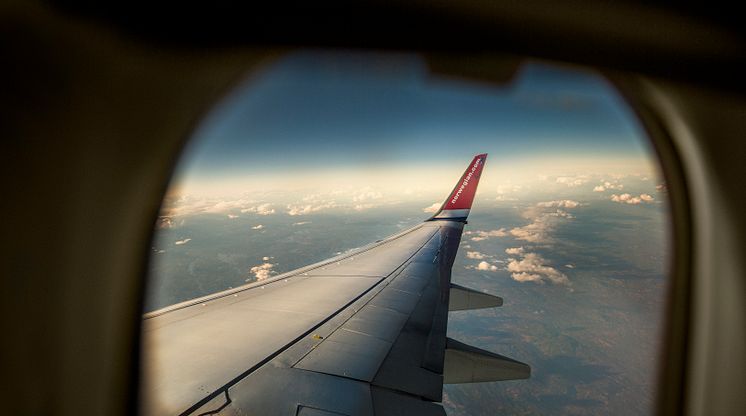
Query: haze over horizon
[324, 119]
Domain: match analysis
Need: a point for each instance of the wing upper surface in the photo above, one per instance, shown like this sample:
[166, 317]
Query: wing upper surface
[192, 351]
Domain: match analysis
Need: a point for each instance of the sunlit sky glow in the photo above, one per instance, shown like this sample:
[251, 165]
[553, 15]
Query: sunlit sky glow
[329, 120]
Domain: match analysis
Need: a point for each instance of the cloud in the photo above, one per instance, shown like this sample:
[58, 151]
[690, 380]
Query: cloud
[363, 207]
[475, 255]
[543, 221]
[623, 198]
[182, 242]
[632, 200]
[432, 208]
[218, 207]
[562, 203]
[262, 271]
[505, 189]
[514, 250]
[263, 209]
[526, 277]
[267, 258]
[484, 235]
[302, 223]
[366, 194]
[294, 210]
[188, 205]
[538, 231]
[164, 222]
[661, 188]
[257, 227]
[483, 265]
[533, 267]
[605, 185]
[572, 180]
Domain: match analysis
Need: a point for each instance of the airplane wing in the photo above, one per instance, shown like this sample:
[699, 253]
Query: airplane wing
[363, 333]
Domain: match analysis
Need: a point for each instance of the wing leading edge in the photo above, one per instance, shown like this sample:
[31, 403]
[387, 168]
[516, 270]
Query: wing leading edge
[359, 334]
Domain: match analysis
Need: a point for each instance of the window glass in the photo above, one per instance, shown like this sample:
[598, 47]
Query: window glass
[322, 152]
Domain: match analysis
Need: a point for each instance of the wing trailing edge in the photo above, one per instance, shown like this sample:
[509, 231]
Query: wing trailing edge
[458, 204]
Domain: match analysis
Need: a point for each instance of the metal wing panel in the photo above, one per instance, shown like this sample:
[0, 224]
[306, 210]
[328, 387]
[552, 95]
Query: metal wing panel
[192, 357]
[194, 351]
[378, 322]
[370, 360]
[359, 346]
[347, 354]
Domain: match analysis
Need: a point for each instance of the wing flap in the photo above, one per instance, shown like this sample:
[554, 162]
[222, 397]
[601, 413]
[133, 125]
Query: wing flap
[370, 333]
[347, 354]
[391, 403]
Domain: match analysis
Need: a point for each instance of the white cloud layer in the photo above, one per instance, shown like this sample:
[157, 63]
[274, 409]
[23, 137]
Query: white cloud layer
[262, 271]
[182, 242]
[532, 267]
[189, 205]
[309, 208]
[475, 255]
[538, 231]
[257, 227]
[514, 251]
[562, 203]
[263, 209]
[480, 235]
[606, 185]
[544, 221]
[526, 277]
[363, 207]
[431, 209]
[483, 265]
[366, 194]
[632, 200]
[573, 180]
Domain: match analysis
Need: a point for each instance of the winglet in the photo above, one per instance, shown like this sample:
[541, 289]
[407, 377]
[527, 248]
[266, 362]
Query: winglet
[458, 204]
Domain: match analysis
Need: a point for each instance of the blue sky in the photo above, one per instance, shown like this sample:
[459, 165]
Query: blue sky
[317, 111]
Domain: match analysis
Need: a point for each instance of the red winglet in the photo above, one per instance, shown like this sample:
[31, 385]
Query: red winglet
[458, 204]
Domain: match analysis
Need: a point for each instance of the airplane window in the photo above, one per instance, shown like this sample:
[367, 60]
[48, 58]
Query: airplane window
[321, 153]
